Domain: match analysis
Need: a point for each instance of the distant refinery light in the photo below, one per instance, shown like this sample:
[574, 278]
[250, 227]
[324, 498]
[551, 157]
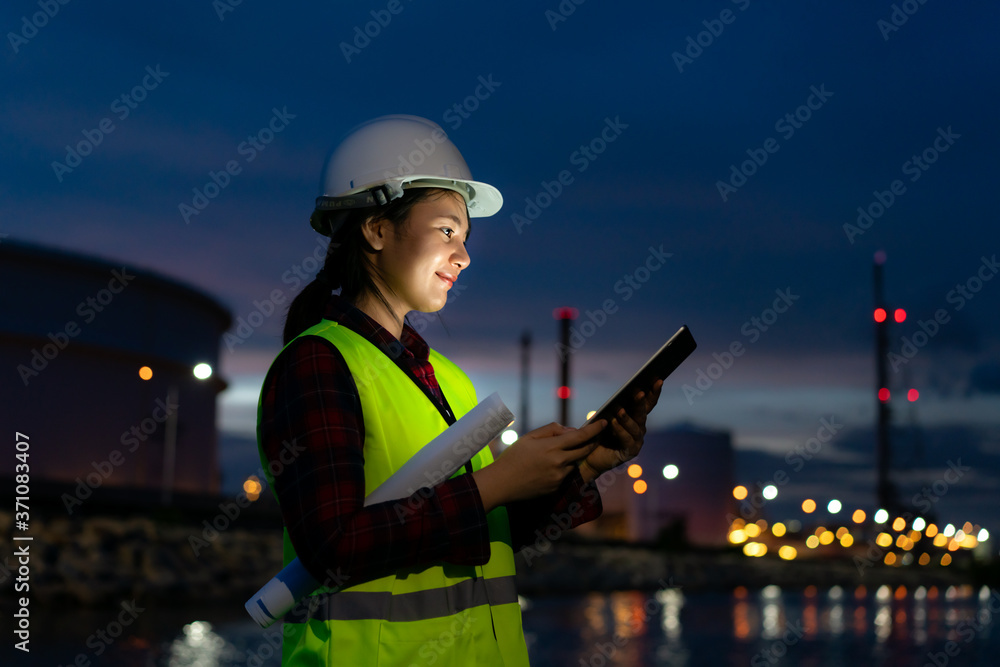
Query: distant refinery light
[833, 506]
[983, 535]
[948, 531]
[639, 486]
[670, 471]
[146, 373]
[787, 552]
[508, 437]
[919, 523]
[635, 471]
[740, 492]
[881, 516]
[898, 524]
[858, 516]
[778, 530]
[203, 371]
[770, 492]
[252, 487]
[808, 505]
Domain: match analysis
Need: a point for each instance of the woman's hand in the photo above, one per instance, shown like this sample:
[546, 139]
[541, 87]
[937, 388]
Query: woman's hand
[626, 434]
[536, 464]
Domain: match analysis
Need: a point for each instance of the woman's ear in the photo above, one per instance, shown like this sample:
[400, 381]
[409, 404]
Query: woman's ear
[374, 230]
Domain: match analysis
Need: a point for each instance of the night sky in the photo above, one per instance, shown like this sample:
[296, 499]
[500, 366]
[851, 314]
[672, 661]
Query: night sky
[713, 156]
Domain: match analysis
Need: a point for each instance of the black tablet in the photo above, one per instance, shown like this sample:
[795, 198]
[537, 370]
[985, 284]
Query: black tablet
[659, 366]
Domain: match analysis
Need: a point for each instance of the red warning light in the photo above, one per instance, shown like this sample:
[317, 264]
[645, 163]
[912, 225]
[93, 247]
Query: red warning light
[883, 394]
[565, 313]
[912, 395]
[880, 315]
[899, 315]
[562, 392]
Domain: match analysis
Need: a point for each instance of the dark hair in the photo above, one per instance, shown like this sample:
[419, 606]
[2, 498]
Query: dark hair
[347, 267]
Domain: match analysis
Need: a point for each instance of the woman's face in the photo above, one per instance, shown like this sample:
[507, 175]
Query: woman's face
[421, 265]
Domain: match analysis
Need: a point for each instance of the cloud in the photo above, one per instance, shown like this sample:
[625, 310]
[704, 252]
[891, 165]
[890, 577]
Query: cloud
[985, 378]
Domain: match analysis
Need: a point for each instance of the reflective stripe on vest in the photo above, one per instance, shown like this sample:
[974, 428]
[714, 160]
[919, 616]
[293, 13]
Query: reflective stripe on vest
[415, 606]
[363, 623]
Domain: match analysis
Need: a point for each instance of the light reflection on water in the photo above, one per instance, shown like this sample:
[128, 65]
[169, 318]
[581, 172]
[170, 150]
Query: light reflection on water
[836, 627]
[769, 627]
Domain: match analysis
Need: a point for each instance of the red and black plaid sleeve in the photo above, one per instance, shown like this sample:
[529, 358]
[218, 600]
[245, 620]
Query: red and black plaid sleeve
[311, 407]
[574, 503]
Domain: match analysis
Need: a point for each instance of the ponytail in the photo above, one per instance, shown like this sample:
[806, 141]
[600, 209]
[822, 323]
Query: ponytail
[347, 266]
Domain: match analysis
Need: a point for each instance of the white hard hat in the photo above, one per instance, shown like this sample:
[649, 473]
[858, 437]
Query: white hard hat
[379, 159]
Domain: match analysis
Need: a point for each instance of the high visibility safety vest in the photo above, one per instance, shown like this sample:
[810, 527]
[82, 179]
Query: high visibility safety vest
[441, 614]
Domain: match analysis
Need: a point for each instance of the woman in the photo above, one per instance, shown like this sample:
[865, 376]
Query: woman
[356, 391]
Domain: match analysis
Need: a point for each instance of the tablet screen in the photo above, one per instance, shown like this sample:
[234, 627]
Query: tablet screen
[664, 362]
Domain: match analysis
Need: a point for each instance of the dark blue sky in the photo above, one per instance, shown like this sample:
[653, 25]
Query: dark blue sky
[886, 96]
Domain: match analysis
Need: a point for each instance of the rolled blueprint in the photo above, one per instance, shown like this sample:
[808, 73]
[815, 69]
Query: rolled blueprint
[434, 462]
